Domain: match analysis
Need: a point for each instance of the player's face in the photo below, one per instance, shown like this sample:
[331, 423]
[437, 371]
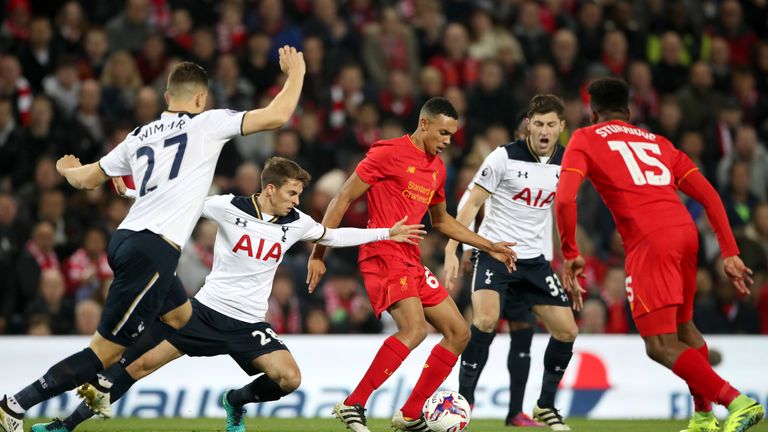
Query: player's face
[286, 197]
[437, 132]
[544, 130]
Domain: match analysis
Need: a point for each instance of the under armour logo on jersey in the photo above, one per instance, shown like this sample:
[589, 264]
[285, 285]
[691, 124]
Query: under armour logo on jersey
[488, 274]
[241, 222]
[285, 232]
[469, 365]
[522, 174]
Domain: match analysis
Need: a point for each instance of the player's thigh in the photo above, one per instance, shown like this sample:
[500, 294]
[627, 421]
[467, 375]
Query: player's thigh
[281, 367]
[254, 341]
[446, 319]
[177, 308]
[153, 360]
[144, 266]
[539, 284]
[408, 315]
[486, 306]
[107, 351]
[558, 320]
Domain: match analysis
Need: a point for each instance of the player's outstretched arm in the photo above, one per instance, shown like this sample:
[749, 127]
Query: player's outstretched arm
[698, 187]
[280, 110]
[450, 227]
[81, 176]
[466, 214]
[352, 189]
[399, 233]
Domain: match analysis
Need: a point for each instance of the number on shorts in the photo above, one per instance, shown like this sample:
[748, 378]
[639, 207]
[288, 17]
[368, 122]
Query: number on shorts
[645, 152]
[431, 279]
[263, 339]
[555, 287]
[628, 287]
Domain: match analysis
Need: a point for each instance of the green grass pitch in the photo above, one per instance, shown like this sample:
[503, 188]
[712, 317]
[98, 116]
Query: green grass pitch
[376, 425]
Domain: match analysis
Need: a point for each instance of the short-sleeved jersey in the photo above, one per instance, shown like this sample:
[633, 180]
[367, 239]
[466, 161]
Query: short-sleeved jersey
[522, 187]
[172, 161]
[249, 247]
[636, 173]
[404, 180]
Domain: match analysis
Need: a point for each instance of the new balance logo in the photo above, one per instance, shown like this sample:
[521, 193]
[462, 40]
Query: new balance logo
[488, 274]
[241, 222]
[522, 174]
[469, 365]
[285, 232]
[411, 169]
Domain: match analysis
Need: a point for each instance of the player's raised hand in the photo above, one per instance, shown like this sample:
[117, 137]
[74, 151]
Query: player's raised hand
[66, 162]
[502, 251]
[738, 273]
[451, 270]
[291, 61]
[402, 233]
[315, 270]
[574, 269]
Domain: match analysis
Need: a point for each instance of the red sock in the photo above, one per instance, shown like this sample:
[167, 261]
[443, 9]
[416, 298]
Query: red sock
[700, 403]
[436, 370]
[385, 363]
[702, 379]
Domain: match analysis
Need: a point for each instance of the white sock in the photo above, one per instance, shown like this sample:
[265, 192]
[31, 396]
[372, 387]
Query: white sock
[14, 406]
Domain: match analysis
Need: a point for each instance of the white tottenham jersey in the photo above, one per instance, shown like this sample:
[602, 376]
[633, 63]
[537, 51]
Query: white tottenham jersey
[522, 187]
[247, 252]
[172, 162]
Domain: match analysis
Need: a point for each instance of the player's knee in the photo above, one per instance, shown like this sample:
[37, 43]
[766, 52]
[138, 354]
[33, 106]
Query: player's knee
[566, 334]
[139, 368]
[462, 336]
[655, 350]
[414, 334]
[290, 380]
[485, 323]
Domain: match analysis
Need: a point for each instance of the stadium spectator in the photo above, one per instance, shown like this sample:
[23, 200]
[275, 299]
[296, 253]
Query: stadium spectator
[753, 154]
[128, 30]
[52, 302]
[87, 314]
[88, 268]
[284, 313]
[389, 45]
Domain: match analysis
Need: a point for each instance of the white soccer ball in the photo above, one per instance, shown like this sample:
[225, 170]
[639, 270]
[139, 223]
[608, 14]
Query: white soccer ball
[446, 411]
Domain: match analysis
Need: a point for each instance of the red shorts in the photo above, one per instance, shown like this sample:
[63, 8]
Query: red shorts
[661, 273]
[388, 280]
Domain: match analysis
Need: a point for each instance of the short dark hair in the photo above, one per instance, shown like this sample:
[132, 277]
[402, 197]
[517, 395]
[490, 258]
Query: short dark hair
[545, 104]
[609, 95]
[279, 170]
[186, 75]
[438, 105]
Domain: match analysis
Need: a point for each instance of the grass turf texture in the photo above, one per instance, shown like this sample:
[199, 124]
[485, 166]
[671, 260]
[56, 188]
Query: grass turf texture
[376, 425]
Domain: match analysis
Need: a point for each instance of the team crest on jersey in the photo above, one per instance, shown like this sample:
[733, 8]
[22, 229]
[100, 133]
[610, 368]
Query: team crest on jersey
[285, 233]
[241, 222]
[488, 274]
[404, 283]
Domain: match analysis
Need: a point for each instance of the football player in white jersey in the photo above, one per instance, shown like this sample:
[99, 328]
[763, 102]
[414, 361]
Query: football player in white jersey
[519, 181]
[229, 311]
[172, 160]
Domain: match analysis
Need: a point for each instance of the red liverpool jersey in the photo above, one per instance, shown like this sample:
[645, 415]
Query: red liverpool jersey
[404, 180]
[636, 173]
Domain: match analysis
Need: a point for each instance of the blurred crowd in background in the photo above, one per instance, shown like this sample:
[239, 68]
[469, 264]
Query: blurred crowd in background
[77, 76]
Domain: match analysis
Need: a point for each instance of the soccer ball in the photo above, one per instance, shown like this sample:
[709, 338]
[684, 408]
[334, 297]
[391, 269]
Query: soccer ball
[446, 411]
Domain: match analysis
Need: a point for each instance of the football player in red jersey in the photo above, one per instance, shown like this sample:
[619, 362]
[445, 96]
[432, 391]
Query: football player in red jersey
[406, 176]
[638, 173]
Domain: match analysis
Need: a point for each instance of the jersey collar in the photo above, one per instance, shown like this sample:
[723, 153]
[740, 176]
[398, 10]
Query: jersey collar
[535, 155]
